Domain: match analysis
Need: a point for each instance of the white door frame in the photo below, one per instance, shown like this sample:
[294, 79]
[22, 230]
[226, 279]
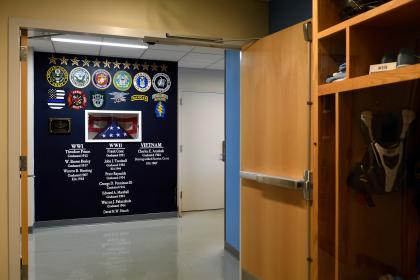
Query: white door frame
[14, 112]
[179, 188]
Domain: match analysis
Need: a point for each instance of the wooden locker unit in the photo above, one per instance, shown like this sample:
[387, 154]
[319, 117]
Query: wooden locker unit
[351, 240]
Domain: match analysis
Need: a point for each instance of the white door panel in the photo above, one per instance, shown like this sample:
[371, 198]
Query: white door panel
[201, 168]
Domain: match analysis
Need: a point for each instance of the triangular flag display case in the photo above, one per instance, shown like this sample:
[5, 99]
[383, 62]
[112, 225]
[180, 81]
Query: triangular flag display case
[366, 141]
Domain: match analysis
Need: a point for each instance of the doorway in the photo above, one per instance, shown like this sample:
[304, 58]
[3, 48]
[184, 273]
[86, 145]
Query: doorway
[202, 169]
[222, 129]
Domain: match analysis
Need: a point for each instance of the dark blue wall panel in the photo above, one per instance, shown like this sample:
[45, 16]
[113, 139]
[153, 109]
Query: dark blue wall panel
[285, 13]
[132, 179]
[232, 93]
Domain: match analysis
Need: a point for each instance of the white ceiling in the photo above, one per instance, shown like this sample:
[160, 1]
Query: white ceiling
[187, 56]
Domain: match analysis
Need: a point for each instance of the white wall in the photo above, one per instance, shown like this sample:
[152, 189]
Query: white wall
[199, 80]
[192, 80]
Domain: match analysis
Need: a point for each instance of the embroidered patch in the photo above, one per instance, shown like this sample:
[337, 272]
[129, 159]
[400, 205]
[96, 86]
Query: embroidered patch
[76, 99]
[57, 76]
[80, 77]
[142, 82]
[122, 80]
[101, 79]
[161, 82]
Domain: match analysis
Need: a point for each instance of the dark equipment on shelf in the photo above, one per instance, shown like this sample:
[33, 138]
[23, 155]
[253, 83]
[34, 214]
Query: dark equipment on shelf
[382, 169]
[351, 8]
[406, 56]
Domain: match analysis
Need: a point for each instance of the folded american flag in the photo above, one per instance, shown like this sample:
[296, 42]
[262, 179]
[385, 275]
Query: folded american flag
[113, 131]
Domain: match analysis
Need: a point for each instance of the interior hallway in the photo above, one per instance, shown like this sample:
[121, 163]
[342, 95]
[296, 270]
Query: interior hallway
[184, 249]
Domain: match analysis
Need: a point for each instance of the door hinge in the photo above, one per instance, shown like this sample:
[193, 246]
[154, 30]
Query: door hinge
[180, 195]
[307, 31]
[307, 186]
[23, 163]
[181, 148]
[180, 101]
[23, 54]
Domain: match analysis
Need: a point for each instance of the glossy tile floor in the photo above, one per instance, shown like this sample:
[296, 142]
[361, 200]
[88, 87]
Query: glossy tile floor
[186, 248]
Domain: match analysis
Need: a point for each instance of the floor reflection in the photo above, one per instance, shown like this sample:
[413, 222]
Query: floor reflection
[169, 249]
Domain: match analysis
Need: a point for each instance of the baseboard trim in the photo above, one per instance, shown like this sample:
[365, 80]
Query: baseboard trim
[248, 276]
[202, 210]
[99, 220]
[232, 250]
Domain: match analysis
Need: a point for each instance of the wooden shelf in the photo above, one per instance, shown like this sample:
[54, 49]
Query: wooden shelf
[383, 9]
[407, 73]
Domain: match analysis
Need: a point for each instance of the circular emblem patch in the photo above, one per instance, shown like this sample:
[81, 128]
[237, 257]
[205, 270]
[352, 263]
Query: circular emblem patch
[57, 76]
[80, 77]
[142, 82]
[161, 82]
[101, 79]
[76, 99]
[122, 80]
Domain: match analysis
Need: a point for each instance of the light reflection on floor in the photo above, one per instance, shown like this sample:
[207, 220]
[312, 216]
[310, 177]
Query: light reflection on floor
[169, 249]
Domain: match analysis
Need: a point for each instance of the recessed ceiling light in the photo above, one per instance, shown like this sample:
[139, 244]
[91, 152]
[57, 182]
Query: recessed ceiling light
[98, 43]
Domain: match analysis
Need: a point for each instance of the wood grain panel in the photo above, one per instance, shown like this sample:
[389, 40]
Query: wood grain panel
[274, 131]
[367, 46]
[398, 75]
[315, 145]
[404, 9]
[331, 53]
[326, 192]
[342, 165]
[24, 147]
[328, 14]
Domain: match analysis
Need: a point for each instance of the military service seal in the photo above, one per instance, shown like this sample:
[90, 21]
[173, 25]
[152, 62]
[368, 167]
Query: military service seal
[101, 79]
[142, 82]
[161, 82]
[57, 76]
[122, 80]
[80, 77]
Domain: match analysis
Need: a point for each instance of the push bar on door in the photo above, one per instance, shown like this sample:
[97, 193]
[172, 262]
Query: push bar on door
[284, 182]
[304, 184]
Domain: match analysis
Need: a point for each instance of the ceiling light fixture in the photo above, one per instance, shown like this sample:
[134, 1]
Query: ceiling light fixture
[99, 43]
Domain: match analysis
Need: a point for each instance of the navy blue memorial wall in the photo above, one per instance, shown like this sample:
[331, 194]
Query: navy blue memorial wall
[80, 179]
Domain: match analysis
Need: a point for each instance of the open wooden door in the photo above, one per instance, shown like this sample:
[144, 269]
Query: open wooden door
[274, 141]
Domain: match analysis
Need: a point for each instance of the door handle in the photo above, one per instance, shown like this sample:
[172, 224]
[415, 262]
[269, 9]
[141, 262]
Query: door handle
[304, 185]
[284, 182]
[223, 154]
[31, 176]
